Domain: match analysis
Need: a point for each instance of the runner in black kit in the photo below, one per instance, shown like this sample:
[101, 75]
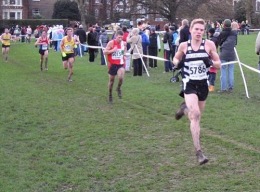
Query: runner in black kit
[197, 55]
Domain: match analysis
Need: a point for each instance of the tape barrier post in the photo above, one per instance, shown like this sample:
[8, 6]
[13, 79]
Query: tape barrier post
[142, 61]
[80, 51]
[242, 73]
[102, 49]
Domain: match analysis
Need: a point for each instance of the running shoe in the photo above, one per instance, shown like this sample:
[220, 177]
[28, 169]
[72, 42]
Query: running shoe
[179, 114]
[110, 99]
[202, 159]
[119, 93]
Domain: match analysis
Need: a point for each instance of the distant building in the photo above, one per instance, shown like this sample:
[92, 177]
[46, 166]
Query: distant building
[26, 9]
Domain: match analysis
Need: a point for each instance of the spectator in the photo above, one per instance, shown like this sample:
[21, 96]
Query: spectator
[28, 34]
[167, 41]
[243, 27]
[81, 33]
[145, 40]
[227, 43]
[91, 42]
[135, 41]
[247, 28]
[174, 33]
[185, 31]
[103, 40]
[213, 36]
[153, 48]
[235, 26]
[23, 34]
[17, 32]
[128, 57]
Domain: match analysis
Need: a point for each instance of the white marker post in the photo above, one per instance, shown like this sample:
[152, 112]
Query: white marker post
[102, 49]
[142, 61]
[242, 73]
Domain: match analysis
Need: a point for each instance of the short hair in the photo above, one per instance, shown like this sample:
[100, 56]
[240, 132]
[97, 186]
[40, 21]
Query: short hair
[139, 23]
[69, 28]
[135, 31]
[197, 21]
[124, 28]
[166, 27]
[119, 32]
[185, 22]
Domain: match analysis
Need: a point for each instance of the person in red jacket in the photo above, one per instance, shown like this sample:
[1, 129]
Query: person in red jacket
[115, 51]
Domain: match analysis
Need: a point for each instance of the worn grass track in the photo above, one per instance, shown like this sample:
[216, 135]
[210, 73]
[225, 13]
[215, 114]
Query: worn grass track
[60, 136]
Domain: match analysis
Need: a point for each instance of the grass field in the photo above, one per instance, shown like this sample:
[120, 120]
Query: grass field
[60, 136]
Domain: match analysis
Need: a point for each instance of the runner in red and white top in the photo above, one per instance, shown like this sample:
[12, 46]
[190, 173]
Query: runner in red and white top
[115, 51]
[43, 41]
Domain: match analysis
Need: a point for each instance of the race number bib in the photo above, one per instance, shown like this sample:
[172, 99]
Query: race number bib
[44, 47]
[68, 48]
[117, 55]
[197, 70]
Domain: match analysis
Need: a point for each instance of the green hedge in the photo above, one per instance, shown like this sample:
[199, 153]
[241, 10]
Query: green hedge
[32, 22]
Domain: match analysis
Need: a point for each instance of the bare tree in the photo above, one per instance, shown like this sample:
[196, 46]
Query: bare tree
[170, 9]
[249, 10]
[165, 8]
[82, 10]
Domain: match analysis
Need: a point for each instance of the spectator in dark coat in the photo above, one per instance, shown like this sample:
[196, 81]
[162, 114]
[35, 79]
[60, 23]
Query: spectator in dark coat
[185, 31]
[153, 48]
[91, 42]
[81, 33]
[227, 42]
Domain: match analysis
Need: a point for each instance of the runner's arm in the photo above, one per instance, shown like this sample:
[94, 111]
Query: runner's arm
[179, 54]
[38, 41]
[213, 54]
[109, 48]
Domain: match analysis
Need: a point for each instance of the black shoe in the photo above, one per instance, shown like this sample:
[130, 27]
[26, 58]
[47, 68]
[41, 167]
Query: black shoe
[110, 99]
[119, 93]
[202, 159]
[179, 114]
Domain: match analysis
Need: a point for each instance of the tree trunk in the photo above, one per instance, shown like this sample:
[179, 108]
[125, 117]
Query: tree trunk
[82, 10]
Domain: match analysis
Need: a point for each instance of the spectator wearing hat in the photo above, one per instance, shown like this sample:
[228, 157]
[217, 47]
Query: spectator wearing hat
[227, 43]
[81, 33]
[153, 47]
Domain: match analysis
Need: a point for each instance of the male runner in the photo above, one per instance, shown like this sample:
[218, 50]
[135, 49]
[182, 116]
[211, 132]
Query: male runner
[198, 55]
[43, 41]
[5, 39]
[115, 50]
[68, 43]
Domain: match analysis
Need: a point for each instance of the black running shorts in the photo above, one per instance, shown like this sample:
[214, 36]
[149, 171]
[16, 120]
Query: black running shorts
[4, 46]
[113, 69]
[42, 51]
[68, 55]
[200, 88]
